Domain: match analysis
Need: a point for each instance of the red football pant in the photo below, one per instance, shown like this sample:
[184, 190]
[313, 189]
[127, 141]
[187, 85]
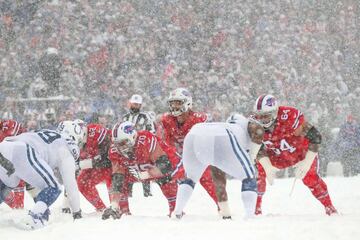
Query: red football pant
[312, 180]
[87, 181]
[316, 185]
[261, 186]
[168, 189]
[15, 199]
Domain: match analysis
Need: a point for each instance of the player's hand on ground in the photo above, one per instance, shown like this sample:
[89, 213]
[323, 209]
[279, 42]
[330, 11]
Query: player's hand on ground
[111, 212]
[77, 215]
[139, 175]
[66, 210]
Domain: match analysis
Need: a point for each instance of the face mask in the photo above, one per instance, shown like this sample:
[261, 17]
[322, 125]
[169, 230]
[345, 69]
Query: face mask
[134, 110]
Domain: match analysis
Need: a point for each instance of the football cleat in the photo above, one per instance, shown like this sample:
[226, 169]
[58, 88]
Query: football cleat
[179, 216]
[330, 210]
[34, 221]
[258, 211]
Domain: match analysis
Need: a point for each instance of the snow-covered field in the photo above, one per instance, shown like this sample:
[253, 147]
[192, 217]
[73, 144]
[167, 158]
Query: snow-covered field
[295, 217]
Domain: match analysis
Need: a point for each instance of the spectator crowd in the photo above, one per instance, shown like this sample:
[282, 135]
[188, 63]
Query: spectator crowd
[87, 57]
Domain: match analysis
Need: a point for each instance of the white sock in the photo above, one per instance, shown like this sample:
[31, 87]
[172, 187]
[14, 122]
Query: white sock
[249, 201]
[224, 209]
[40, 207]
[182, 197]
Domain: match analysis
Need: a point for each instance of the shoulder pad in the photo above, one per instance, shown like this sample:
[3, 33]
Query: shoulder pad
[73, 147]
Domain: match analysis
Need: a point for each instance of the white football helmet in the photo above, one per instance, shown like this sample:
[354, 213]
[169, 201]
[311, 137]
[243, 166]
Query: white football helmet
[83, 124]
[265, 110]
[185, 101]
[73, 130]
[124, 136]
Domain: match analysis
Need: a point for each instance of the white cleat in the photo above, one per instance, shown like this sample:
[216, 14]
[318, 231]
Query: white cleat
[32, 221]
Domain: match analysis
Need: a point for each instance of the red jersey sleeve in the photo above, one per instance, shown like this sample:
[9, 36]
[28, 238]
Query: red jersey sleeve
[199, 117]
[11, 128]
[168, 129]
[291, 118]
[96, 134]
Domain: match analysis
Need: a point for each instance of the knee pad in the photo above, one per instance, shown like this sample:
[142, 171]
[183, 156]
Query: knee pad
[48, 195]
[187, 181]
[249, 184]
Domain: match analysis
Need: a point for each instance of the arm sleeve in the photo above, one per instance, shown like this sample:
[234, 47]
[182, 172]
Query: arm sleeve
[167, 136]
[299, 119]
[67, 171]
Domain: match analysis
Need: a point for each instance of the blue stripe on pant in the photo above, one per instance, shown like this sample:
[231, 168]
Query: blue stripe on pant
[34, 162]
[244, 155]
[237, 152]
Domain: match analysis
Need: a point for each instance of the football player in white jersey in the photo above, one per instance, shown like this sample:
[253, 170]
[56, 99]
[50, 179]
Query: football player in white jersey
[231, 147]
[33, 157]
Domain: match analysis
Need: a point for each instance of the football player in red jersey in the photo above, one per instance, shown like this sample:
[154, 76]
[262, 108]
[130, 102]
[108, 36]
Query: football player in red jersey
[176, 124]
[94, 163]
[139, 156]
[289, 140]
[15, 198]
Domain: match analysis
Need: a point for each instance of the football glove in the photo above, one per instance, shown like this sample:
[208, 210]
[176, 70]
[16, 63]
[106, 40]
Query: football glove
[66, 210]
[77, 215]
[110, 212]
[139, 175]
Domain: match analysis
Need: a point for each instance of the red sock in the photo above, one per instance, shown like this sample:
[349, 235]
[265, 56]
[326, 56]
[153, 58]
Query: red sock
[261, 186]
[207, 182]
[88, 188]
[169, 190]
[16, 197]
[318, 188]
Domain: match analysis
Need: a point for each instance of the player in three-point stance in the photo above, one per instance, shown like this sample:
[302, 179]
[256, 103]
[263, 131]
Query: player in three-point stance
[139, 156]
[33, 158]
[95, 167]
[226, 146]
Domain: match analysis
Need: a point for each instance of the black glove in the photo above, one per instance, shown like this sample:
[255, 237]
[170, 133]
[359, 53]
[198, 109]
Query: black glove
[110, 212]
[77, 215]
[66, 210]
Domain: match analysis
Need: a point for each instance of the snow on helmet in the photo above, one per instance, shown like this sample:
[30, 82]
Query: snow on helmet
[73, 130]
[265, 110]
[82, 124]
[123, 136]
[185, 101]
[236, 118]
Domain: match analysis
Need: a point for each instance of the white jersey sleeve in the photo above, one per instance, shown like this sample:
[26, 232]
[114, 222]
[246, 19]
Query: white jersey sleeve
[67, 168]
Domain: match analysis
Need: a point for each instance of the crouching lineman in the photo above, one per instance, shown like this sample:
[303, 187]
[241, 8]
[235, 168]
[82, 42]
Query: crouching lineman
[138, 156]
[94, 163]
[225, 146]
[33, 158]
[289, 140]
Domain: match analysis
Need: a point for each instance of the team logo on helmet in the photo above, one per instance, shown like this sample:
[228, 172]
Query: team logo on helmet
[128, 129]
[186, 93]
[270, 102]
